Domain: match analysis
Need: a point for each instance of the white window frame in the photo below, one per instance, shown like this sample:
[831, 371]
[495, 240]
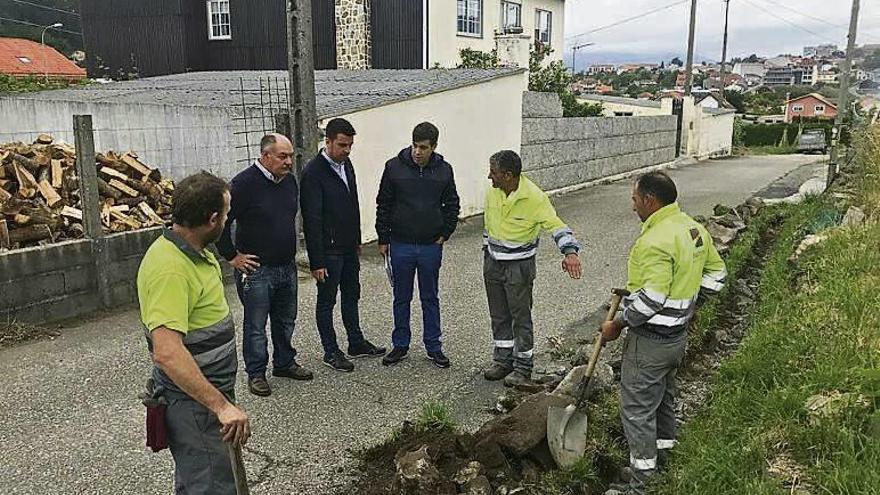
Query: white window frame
[539, 32]
[506, 8]
[472, 23]
[215, 11]
[24, 60]
[797, 108]
[819, 109]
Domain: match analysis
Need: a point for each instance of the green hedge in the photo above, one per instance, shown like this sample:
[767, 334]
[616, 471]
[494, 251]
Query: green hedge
[771, 134]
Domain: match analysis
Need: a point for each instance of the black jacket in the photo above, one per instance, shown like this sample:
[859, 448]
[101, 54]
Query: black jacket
[330, 210]
[416, 205]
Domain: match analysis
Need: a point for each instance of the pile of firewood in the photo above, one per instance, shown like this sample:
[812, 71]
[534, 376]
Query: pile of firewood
[40, 193]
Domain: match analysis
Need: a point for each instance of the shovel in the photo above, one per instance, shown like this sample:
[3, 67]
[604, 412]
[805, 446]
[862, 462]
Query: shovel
[567, 427]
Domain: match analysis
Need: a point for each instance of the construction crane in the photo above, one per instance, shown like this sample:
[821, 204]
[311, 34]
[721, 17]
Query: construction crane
[574, 51]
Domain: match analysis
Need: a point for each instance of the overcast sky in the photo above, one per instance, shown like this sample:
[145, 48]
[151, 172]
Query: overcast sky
[753, 28]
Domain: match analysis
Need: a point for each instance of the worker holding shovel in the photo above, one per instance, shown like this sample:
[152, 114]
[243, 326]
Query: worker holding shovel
[191, 338]
[672, 264]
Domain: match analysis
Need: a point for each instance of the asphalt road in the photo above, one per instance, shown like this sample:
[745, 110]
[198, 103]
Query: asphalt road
[71, 423]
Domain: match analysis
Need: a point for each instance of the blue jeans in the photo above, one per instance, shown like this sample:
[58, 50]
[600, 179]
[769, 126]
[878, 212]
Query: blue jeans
[343, 275]
[268, 293]
[406, 260]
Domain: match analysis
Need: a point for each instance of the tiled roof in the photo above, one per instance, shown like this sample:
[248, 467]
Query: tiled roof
[22, 57]
[337, 92]
[816, 96]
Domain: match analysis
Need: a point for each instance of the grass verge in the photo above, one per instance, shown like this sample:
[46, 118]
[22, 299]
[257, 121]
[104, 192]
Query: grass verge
[796, 409]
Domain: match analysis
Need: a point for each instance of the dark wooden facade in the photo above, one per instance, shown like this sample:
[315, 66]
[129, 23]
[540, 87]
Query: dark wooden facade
[397, 34]
[157, 37]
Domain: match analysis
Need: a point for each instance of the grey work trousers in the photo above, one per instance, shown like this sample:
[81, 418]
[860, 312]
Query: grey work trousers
[509, 291]
[647, 401]
[201, 460]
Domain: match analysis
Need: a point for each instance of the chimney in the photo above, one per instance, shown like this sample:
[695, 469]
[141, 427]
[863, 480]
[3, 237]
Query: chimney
[353, 37]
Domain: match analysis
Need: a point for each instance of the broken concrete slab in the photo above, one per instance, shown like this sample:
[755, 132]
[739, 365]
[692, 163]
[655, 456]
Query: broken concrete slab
[518, 432]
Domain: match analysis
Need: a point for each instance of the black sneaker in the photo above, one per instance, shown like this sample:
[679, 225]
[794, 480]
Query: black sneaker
[396, 355]
[339, 362]
[439, 359]
[259, 386]
[366, 349]
[295, 371]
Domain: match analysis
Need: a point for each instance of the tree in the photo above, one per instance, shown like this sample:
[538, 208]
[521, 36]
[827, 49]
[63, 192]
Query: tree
[677, 61]
[872, 61]
[737, 99]
[753, 59]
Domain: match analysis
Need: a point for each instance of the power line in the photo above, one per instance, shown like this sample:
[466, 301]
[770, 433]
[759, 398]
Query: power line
[69, 12]
[808, 16]
[629, 19]
[787, 21]
[19, 21]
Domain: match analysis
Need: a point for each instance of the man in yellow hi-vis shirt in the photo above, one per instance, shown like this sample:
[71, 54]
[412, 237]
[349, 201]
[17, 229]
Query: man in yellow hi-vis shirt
[516, 212]
[671, 265]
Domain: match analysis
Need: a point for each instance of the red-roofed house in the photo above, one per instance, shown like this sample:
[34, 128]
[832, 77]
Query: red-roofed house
[811, 105]
[20, 57]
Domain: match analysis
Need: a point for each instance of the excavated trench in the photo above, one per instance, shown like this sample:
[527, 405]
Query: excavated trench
[442, 461]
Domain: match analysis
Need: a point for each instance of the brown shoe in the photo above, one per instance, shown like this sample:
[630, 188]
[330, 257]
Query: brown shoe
[295, 371]
[259, 386]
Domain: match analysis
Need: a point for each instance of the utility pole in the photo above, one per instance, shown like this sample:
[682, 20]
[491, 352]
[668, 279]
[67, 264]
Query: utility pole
[724, 49]
[301, 75]
[843, 103]
[689, 71]
[843, 108]
[301, 92]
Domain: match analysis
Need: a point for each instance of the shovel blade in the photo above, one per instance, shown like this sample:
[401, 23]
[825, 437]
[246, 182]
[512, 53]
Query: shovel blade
[566, 434]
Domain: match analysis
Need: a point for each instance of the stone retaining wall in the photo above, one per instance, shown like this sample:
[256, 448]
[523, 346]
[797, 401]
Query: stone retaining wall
[559, 151]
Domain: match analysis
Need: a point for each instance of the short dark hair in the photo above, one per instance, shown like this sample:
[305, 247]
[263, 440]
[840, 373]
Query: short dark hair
[659, 185]
[339, 126]
[426, 131]
[507, 161]
[196, 198]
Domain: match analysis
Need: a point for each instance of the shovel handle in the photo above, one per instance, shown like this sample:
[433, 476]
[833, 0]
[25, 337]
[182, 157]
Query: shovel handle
[616, 298]
[238, 470]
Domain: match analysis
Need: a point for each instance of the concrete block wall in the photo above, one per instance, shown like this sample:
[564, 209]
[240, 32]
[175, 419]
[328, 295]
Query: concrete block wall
[59, 281]
[559, 151]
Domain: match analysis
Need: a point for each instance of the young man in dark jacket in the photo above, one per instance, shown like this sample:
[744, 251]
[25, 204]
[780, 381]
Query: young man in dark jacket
[416, 212]
[332, 226]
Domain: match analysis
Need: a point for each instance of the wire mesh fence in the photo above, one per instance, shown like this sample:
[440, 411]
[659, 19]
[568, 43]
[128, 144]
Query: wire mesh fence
[259, 101]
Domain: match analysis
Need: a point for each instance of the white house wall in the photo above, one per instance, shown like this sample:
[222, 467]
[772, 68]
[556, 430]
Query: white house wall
[445, 42]
[474, 122]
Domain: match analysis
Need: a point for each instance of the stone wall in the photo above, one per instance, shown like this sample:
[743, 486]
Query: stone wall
[559, 151]
[353, 38]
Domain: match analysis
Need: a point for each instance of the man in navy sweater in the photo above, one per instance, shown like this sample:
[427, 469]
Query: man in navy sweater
[332, 226]
[264, 206]
[416, 211]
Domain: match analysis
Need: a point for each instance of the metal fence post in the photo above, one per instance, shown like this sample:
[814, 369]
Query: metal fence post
[84, 138]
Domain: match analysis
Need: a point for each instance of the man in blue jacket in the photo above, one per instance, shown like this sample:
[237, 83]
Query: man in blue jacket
[332, 226]
[416, 212]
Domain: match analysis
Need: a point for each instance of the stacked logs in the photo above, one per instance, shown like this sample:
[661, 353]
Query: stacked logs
[40, 199]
